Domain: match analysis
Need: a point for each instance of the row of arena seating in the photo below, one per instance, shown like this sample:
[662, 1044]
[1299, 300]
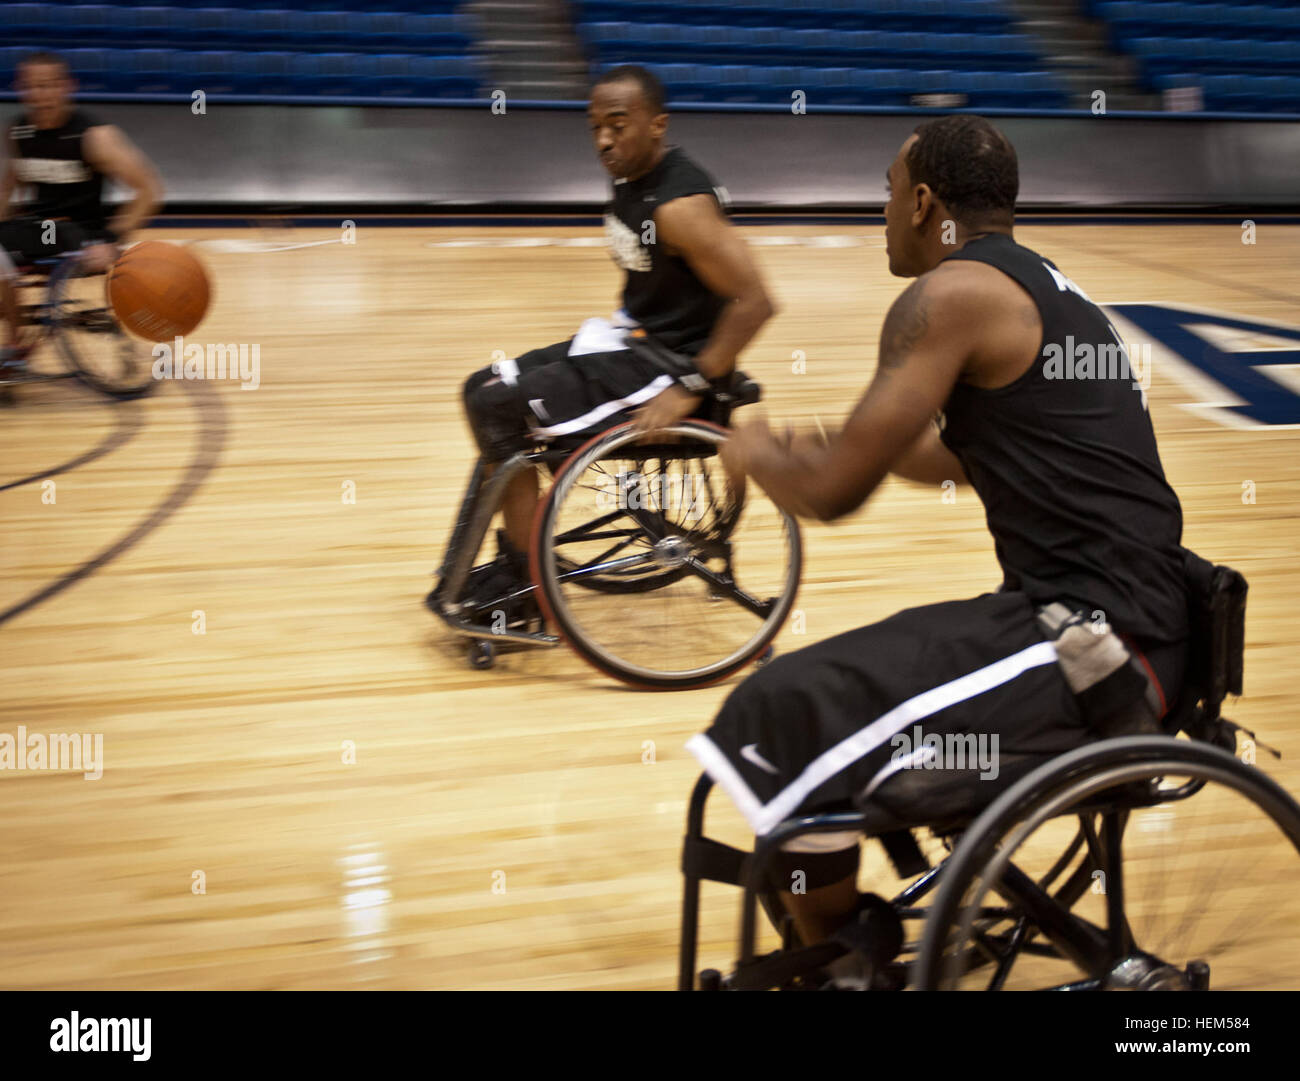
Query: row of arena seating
[1164, 19]
[1240, 55]
[686, 43]
[841, 52]
[739, 83]
[424, 7]
[104, 25]
[1240, 93]
[270, 74]
[952, 15]
[1165, 56]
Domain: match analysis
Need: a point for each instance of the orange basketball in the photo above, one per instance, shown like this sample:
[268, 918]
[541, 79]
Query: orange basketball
[158, 290]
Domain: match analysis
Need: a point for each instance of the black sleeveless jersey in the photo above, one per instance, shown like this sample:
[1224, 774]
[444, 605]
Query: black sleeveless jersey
[52, 162]
[661, 292]
[1065, 462]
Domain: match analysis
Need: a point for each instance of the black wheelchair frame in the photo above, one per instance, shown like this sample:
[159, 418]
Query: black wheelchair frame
[60, 319]
[1113, 777]
[483, 498]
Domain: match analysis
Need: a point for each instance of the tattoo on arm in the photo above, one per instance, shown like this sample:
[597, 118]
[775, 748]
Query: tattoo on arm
[905, 325]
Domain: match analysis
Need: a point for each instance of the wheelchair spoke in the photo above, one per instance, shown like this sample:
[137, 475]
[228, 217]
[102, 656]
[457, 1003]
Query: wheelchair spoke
[682, 615]
[1188, 894]
[584, 532]
[607, 567]
[613, 550]
[92, 343]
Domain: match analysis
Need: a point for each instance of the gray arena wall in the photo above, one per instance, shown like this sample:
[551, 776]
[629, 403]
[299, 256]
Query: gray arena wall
[251, 157]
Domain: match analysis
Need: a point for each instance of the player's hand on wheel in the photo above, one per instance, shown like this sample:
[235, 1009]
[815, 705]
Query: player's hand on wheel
[666, 409]
[744, 441]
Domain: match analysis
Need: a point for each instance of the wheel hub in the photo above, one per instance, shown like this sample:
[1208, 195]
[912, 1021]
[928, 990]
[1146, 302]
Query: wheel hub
[1141, 972]
[672, 552]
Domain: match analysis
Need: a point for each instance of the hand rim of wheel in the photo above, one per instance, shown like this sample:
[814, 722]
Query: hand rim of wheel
[57, 289]
[574, 467]
[1181, 758]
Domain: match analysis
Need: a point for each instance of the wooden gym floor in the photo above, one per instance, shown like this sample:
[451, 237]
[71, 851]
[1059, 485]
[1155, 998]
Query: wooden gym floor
[317, 791]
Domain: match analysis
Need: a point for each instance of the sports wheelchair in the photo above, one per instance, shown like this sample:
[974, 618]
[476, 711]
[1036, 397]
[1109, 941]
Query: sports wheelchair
[74, 314]
[635, 557]
[1068, 879]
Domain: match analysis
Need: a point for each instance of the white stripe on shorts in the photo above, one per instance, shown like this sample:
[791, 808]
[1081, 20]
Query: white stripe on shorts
[653, 389]
[764, 817]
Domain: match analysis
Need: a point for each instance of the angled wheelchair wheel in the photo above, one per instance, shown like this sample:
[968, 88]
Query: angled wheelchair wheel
[94, 346]
[656, 569]
[1173, 866]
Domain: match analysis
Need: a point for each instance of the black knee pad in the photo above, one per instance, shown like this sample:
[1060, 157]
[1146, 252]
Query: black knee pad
[818, 868]
[497, 416]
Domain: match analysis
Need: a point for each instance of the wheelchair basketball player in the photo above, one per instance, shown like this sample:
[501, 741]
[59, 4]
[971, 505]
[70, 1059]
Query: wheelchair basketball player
[1085, 636]
[692, 293]
[63, 154]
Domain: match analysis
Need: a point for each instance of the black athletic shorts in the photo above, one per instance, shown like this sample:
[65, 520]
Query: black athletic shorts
[24, 240]
[831, 726]
[545, 394]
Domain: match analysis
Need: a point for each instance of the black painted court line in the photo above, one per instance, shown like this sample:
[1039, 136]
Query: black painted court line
[212, 429]
[130, 423]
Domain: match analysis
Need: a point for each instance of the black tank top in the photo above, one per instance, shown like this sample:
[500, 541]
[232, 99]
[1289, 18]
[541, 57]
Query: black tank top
[53, 162]
[1067, 468]
[661, 292]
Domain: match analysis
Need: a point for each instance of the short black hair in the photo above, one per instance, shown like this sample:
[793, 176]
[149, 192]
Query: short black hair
[968, 164]
[42, 56]
[651, 88]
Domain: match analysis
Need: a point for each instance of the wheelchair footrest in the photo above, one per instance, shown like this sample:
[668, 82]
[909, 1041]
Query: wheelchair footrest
[467, 629]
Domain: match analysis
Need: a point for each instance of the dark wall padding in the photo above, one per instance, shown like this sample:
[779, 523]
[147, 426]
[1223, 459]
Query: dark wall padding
[300, 156]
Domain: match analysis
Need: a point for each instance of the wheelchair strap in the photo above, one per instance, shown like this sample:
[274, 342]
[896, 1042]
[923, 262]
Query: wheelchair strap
[714, 861]
[904, 853]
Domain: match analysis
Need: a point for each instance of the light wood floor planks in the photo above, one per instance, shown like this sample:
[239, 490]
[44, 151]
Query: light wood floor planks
[224, 753]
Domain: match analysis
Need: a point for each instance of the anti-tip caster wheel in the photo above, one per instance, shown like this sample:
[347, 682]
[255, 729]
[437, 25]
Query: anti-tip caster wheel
[710, 980]
[482, 654]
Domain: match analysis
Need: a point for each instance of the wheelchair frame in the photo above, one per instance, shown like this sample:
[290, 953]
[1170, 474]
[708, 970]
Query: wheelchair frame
[53, 273]
[1215, 669]
[483, 499]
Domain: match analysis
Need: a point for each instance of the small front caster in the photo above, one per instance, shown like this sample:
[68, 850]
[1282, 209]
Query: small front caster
[482, 654]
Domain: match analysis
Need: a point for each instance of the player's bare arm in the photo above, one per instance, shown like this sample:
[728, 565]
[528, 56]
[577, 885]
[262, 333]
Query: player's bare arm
[928, 461]
[928, 336]
[694, 228]
[8, 182]
[109, 150]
